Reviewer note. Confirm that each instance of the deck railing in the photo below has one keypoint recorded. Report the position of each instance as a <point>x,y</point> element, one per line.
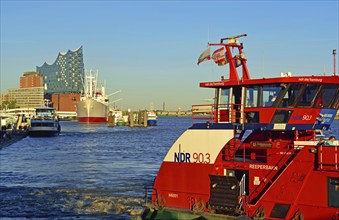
<point>222,113</point>
<point>328,158</point>
<point>271,176</point>
<point>242,191</point>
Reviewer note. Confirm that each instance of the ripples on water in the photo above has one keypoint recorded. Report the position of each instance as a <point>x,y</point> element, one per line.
<point>87,172</point>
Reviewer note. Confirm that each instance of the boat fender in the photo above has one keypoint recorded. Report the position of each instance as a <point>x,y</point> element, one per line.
<point>259,213</point>
<point>160,202</point>
<point>298,216</point>
<point>335,216</point>
<point>199,206</point>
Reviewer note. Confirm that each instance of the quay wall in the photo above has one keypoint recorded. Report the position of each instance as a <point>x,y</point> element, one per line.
<point>9,137</point>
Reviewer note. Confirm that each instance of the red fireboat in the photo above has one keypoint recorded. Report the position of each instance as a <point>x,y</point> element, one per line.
<point>254,153</point>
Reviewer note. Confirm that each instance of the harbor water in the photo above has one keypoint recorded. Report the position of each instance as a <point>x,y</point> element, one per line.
<point>88,171</point>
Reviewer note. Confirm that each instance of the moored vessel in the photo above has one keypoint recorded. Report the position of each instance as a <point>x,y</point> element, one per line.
<point>45,123</point>
<point>253,153</point>
<point>93,104</point>
<point>152,118</point>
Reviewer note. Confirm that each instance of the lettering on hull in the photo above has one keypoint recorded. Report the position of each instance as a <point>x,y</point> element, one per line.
<point>196,158</point>
<point>262,167</point>
<point>182,157</point>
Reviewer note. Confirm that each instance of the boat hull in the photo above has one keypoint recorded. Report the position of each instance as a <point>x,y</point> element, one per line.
<point>44,128</point>
<point>151,118</point>
<point>91,111</point>
<point>121,123</point>
<point>171,213</point>
<point>42,133</point>
<point>92,119</point>
<point>151,122</point>
<point>183,178</point>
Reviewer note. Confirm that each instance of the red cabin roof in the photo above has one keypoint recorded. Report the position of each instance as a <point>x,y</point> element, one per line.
<point>291,79</point>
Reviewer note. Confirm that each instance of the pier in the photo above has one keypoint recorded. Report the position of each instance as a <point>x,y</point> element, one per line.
<point>174,113</point>
<point>131,119</point>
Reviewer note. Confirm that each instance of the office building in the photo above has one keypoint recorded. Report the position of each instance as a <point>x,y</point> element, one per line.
<point>27,97</point>
<point>31,79</point>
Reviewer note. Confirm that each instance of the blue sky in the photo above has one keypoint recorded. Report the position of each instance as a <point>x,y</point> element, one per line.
<point>149,49</point>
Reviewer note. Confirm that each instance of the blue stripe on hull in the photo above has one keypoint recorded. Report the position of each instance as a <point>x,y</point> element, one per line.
<point>151,122</point>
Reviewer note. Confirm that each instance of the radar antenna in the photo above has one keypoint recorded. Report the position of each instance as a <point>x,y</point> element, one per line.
<point>232,39</point>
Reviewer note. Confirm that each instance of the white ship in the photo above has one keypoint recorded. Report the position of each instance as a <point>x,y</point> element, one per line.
<point>93,104</point>
<point>151,118</point>
<point>44,123</point>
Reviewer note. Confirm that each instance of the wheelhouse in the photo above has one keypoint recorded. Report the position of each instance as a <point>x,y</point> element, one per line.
<point>294,100</point>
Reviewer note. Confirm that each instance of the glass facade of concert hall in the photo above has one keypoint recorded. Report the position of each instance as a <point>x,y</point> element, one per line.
<point>66,74</point>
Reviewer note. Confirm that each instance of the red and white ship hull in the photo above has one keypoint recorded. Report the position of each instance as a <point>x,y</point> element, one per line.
<point>91,111</point>
<point>254,154</point>
<point>183,177</point>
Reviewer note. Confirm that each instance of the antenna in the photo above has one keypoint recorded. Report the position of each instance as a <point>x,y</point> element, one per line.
<point>335,70</point>
<point>262,63</point>
<point>208,33</point>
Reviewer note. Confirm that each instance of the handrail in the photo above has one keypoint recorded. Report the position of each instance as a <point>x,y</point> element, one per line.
<point>199,112</point>
<point>258,190</point>
<point>334,165</point>
<point>242,190</point>
<point>154,192</point>
<point>221,113</point>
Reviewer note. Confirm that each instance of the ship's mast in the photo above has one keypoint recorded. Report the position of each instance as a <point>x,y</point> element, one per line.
<point>232,42</point>
<point>90,77</point>
<point>96,83</point>
<point>103,86</point>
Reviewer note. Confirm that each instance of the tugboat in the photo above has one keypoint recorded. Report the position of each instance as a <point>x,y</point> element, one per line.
<point>253,153</point>
<point>45,123</point>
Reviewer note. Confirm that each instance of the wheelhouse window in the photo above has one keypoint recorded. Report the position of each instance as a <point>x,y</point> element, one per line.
<point>336,101</point>
<point>269,94</point>
<point>252,97</point>
<point>306,98</point>
<point>224,97</point>
<point>333,191</point>
<point>326,96</point>
<point>290,98</point>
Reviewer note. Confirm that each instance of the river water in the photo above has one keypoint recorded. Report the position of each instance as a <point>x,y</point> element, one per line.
<point>88,171</point>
